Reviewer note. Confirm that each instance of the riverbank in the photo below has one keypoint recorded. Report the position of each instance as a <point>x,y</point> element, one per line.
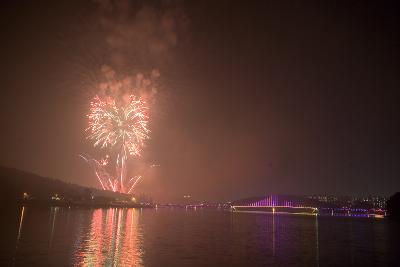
<point>83,204</point>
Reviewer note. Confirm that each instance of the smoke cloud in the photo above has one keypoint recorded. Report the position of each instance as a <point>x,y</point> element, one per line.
<point>120,88</point>
<point>140,37</point>
<point>126,44</point>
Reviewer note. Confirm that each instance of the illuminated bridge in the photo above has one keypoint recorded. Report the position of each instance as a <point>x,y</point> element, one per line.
<point>276,204</point>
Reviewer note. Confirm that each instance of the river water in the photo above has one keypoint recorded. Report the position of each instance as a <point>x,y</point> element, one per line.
<point>179,237</point>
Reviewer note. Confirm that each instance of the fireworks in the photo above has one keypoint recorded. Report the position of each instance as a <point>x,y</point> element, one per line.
<point>108,182</point>
<point>117,126</point>
<point>112,125</point>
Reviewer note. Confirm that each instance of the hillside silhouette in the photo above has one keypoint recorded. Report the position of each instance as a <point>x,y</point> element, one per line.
<point>393,206</point>
<point>15,183</point>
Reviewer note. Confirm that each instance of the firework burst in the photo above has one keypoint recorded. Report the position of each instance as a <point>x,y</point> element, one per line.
<point>111,125</point>
<point>119,126</point>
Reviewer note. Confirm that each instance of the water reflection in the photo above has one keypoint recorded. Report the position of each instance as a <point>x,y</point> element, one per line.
<point>21,221</point>
<point>316,240</point>
<point>114,239</point>
<point>129,237</point>
<point>273,235</point>
<point>53,214</point>
<point>288,238</point>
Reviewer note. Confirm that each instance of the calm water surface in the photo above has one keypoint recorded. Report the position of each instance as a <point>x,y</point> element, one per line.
<point>176,237</point>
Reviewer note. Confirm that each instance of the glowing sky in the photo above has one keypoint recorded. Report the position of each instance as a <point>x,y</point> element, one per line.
<point>253,98</point>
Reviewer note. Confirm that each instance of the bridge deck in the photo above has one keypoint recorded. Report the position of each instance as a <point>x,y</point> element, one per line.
<point>276,209</point>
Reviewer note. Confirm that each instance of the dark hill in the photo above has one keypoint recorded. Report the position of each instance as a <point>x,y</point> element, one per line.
<point>393,206</point>
<point>14,183</point>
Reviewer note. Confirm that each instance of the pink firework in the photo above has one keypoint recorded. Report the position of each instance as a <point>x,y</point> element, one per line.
<point>121,127</point>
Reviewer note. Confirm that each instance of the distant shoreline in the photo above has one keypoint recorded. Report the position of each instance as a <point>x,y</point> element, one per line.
<point>80,204</point>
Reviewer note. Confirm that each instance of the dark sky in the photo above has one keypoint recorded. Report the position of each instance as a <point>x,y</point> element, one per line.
<point>254,96</point>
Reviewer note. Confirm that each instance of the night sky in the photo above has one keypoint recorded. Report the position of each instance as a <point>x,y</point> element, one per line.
<point>254,97</point>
